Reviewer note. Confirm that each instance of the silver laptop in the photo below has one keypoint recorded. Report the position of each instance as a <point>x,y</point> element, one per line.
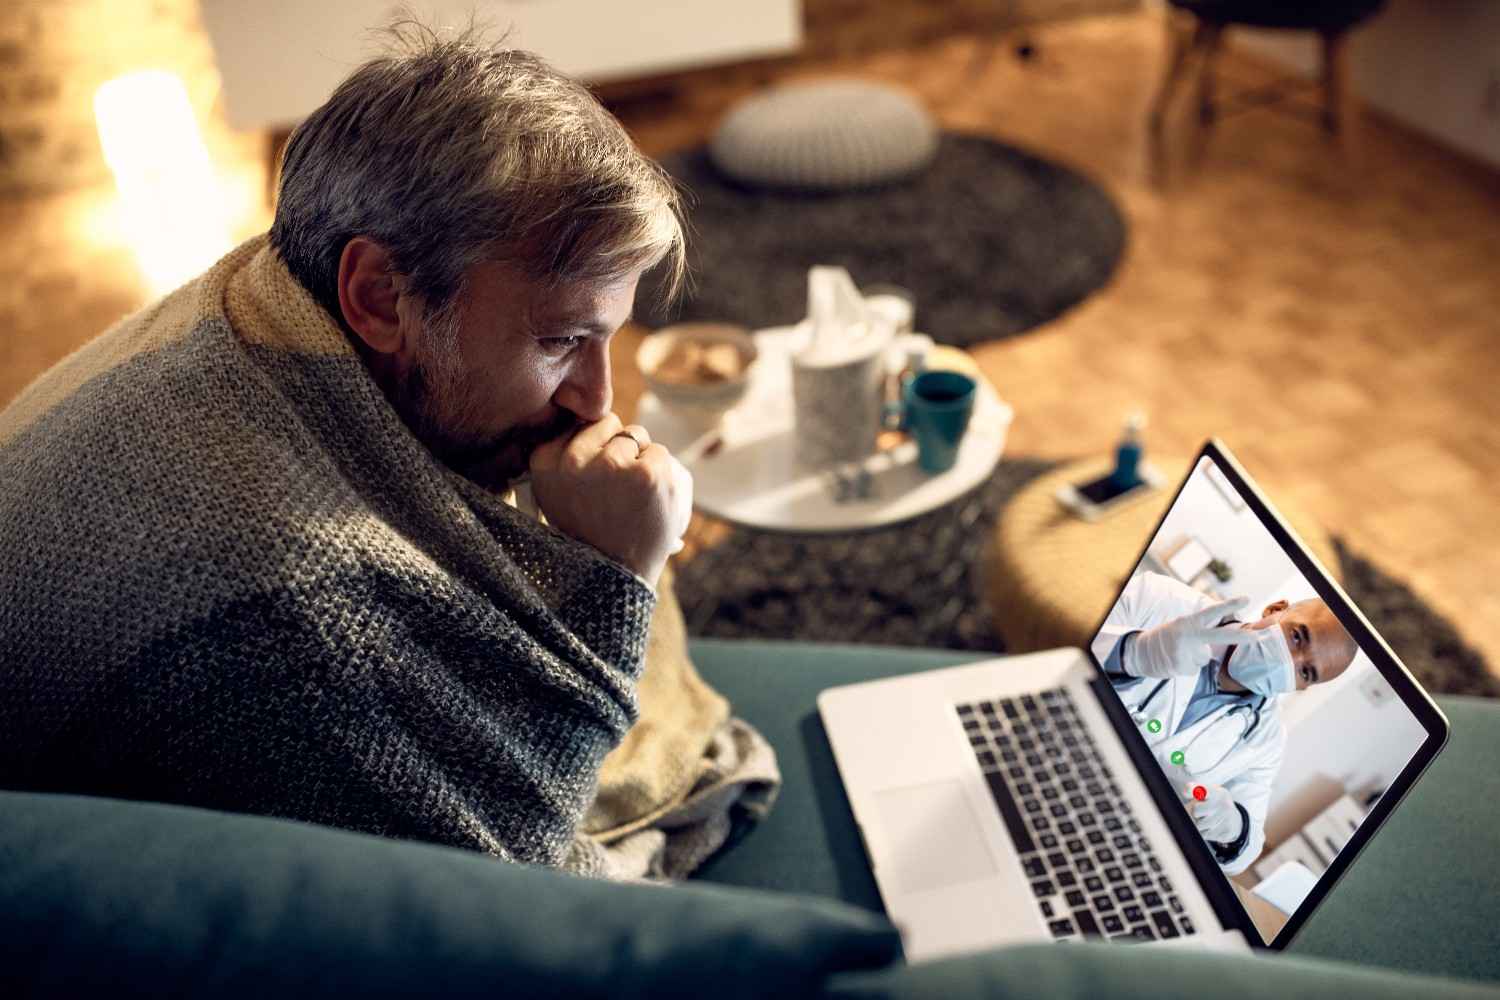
<point>1201,775</point>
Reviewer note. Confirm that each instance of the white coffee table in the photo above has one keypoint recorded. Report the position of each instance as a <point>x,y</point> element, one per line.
<point>754,480</point>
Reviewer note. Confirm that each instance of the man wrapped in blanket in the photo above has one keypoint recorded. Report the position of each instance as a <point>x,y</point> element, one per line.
<point>259,545</point>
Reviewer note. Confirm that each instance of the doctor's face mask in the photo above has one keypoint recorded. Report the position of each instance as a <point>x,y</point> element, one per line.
<point>1264,662</point>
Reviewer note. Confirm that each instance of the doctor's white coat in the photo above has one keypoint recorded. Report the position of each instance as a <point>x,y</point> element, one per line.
<point>1216,754</point>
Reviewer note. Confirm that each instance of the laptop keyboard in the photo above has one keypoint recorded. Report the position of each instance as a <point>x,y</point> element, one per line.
<point>1091,870</point>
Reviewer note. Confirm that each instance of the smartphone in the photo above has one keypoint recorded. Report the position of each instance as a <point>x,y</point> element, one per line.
<point>1096,498</point>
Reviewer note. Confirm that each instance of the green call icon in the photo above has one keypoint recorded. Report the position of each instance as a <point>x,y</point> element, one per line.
<point>1178,757</point>
<point>1154,726</point>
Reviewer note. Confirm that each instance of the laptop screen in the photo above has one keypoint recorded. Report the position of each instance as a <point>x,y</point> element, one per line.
<point>1271,724</point>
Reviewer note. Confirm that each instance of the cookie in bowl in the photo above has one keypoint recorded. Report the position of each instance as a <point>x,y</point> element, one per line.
<point>703,368</point>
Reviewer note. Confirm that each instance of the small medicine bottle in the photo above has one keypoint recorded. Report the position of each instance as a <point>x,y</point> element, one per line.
<point>1127,474</point>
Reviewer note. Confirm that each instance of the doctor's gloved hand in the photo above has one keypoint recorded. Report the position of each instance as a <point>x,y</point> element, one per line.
<point>1216,817</point>
<point>1179,648</point>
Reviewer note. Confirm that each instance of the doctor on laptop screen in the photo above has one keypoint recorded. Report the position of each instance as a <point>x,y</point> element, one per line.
<point>1277,733</point>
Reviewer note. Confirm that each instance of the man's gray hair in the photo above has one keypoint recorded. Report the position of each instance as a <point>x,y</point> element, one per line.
<point>449,152</point>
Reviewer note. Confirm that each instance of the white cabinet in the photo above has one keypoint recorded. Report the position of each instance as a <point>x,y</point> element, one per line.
<point>1319,841</point>
<point>280,59</point>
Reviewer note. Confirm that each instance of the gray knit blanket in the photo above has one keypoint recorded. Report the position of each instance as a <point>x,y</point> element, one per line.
<point>230,577</point>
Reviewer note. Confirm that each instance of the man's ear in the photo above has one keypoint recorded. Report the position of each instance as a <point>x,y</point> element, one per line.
<point>1275,607</point>
<point>370,293</point>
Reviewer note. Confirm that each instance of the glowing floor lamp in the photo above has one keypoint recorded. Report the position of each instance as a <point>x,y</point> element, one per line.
<point>172,206</point>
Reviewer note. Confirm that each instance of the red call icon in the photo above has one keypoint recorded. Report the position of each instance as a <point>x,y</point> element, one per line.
<point>1200,793</point>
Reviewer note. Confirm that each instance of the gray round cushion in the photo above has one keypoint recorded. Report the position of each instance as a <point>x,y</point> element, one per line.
<point>826,135</point>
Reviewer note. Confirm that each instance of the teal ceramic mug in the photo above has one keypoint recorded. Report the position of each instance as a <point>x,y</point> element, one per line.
<point>935,410</point>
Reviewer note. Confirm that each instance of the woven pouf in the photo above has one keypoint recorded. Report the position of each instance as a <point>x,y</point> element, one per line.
<point>1048,577</point>
<point>825,136</point>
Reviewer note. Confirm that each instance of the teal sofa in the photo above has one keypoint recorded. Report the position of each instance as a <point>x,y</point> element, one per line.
<point>122,898</point>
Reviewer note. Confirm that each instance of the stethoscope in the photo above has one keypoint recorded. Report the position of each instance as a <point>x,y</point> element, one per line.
<point>1249,723</point>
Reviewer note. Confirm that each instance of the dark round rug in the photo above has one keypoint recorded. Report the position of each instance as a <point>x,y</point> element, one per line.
<point>991,240</point>
<point>918,584</point>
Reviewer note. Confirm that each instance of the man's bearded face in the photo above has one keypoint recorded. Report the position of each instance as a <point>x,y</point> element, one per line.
<point>508,366</point>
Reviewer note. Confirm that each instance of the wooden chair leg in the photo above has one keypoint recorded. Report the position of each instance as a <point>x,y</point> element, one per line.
<point>1340,111</point>
<point>1208,43</point>
<point>1185,44</point>
<point>1179,45</point>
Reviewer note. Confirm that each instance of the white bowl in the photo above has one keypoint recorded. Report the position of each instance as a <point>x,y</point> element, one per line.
<point>704,388</point>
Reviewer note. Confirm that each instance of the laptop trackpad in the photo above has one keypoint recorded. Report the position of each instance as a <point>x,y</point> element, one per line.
<point>933,838</point>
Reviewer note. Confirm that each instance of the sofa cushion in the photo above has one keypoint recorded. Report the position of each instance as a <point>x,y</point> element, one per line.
<point>138,898</point>
<point>1089,971</point>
